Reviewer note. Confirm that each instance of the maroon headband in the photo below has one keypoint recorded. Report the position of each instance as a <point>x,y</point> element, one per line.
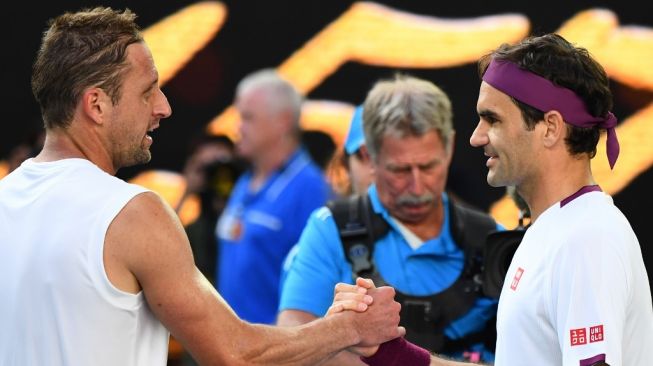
<point>542,94</point>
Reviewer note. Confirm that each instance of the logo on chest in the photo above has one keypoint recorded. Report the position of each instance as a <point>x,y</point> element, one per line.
<point>515,280</point>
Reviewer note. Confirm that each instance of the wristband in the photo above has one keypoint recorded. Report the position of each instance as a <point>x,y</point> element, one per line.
<point>399,352</point>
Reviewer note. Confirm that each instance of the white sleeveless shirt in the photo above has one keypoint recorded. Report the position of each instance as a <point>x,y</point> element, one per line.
<point>57,306</point>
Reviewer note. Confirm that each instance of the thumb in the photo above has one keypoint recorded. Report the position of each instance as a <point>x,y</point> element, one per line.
<point>365,283</point>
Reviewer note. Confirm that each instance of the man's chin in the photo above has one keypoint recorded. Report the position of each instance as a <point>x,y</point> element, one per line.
<point>494,181</point>
<point>494,184</point>
<point>142,158</point>
<point>413,214</point>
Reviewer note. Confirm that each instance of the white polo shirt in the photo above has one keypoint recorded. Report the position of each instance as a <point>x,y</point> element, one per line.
<point>577,291</point>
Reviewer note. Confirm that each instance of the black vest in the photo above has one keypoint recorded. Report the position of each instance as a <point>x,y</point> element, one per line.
<point>424,317</point>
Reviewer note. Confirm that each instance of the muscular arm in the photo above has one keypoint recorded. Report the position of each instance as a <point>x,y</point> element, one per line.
<point>297,317</point>
<point>146,248</point>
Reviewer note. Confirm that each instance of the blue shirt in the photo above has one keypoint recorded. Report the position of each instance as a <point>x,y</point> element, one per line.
<point>319,263</point>
<point>256,231</point>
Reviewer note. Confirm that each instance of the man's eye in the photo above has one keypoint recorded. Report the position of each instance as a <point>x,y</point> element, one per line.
<point>428,167</point>
<point>399,170</point>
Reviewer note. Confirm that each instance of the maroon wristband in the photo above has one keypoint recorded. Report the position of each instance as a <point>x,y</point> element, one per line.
<point>399,352</point>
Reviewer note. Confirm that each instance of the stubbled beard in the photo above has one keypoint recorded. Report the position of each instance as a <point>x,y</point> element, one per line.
<point>142,157</point>
<point>135,156</point>
<point>139,156</point>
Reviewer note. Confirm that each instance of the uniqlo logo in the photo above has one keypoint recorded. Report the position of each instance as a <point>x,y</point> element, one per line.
<point>515,280</point>
<point>578,336</point>
<point>596,333</point>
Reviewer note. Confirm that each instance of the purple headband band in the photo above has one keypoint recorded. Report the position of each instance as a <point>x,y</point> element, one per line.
<point>542,94</point>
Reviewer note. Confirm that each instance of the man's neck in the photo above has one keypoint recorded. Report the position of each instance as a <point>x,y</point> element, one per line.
<point>270,161</point>
<point>66,143</point>
<point>555,184</point>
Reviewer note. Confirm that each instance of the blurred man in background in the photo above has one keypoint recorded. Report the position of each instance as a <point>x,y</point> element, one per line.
<point>271,202</point>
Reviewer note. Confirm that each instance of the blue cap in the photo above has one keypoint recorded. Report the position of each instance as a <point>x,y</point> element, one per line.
<point>355,136</point>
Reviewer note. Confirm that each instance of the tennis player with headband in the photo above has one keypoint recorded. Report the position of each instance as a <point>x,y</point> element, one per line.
<point>577,291</point>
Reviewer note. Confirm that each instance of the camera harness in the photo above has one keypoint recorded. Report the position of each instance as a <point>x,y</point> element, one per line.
<point>425,317</point>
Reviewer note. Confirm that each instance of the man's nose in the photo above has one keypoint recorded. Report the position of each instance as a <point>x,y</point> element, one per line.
<point>416,185</point>
<point>479,136</point>
<point>162,109</point>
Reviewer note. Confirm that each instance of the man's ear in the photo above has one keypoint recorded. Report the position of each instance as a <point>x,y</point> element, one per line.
<point>95,104</point>
<point>554,128</point>
<point>290,121</point>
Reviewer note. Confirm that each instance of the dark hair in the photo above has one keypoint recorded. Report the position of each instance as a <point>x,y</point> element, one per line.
<point>557,60</point>
<point>81,50</point>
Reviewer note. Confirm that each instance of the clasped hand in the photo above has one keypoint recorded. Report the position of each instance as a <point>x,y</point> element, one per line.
<point>359,298</point>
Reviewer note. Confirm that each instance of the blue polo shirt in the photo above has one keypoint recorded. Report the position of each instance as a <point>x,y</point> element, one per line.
<point>256,231</point>
<point>319,263</point>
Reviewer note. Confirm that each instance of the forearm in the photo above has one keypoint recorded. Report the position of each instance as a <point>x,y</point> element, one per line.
<point>214,335</point>
<point>308,344</point>
<point>291,318</point>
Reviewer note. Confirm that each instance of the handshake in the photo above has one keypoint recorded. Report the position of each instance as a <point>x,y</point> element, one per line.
<point>376,317</point>
<point>379,324</point>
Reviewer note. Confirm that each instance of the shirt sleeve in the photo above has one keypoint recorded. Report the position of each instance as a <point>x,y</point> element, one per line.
<point>589,292</point>
<point>317,266</point>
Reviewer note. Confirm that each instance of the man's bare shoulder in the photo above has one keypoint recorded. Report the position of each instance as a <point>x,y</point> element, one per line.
<point>144,236</point>
<point>146,212</point>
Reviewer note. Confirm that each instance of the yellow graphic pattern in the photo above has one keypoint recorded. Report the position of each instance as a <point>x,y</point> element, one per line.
<point>175,39</point>
<point>373,34</point>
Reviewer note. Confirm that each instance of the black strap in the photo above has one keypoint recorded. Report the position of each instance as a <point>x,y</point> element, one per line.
<point>427,316</point>
<point>359,228</point>
<point>470,229</point>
